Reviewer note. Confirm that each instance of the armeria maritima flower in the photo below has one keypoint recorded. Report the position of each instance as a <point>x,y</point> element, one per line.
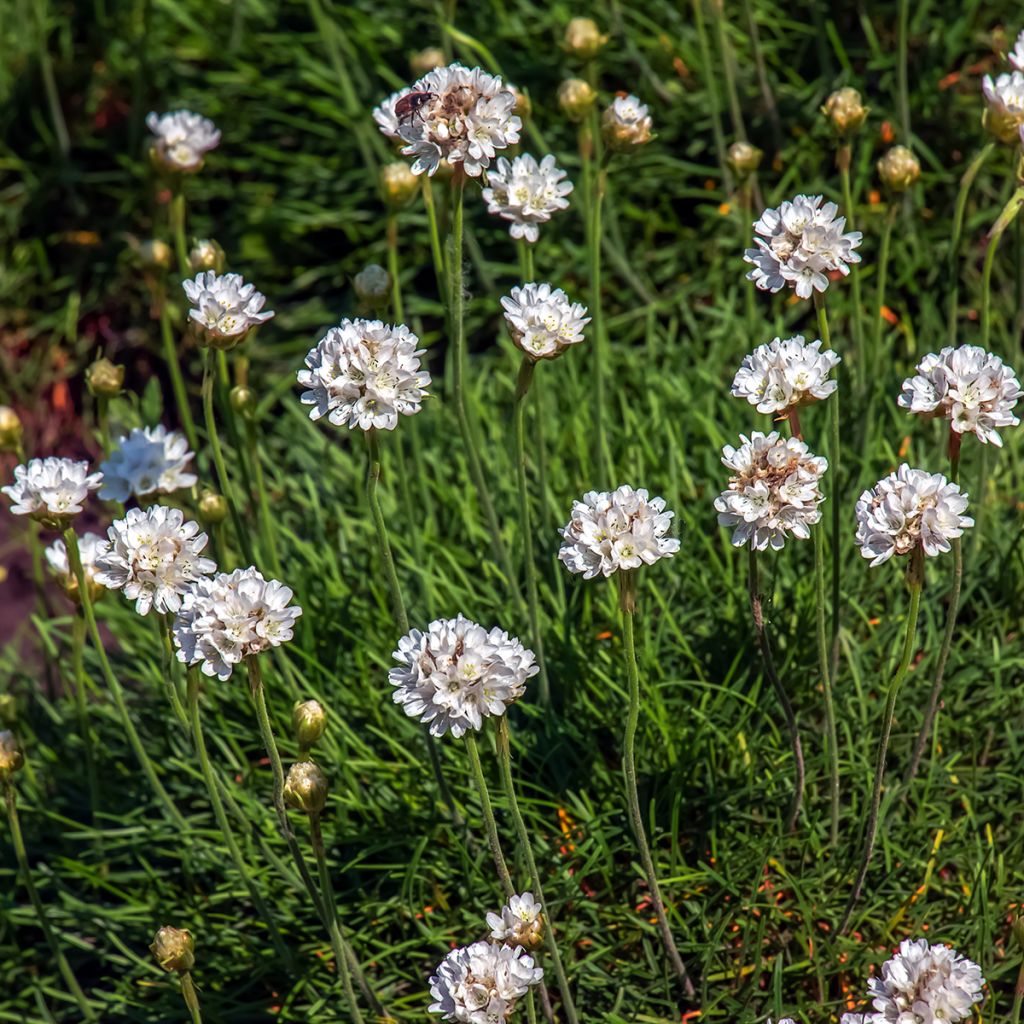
<point>785,373</point>
<point>1004,105</point>
<point>526,193</point>
<point>520,922</point>
<point>365,373</point>
<point>224,307</point>
<point>457,114</point>
<point>149,460</point>
<point>542,321</point>
<point>626,123</point>
<point>89,546</point>
<point>910,509</point>
<point>228,617</point>
<point>970,387</point>
<point>457,673</point>
<point>154,556</point>
<point>925,984</point>
<point>775,490</point>
<point>51,490</point>
<point>799,244</point>
<point>616,530</point>
<point>481,983</point>
<point>181,139</point>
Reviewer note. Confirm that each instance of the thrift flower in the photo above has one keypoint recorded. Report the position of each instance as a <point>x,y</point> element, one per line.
<point>90,545</point>
<point>542,321</point>
<point>51,490</point>
<point>520,922</point>
<point>783,374</point>
<point>150,460</point>
<point>224,308</point>
<point>481,983</point>
<point>1004,110</point>
<point>526,193</point>
<point>626,123</point>
<point>181,139</point>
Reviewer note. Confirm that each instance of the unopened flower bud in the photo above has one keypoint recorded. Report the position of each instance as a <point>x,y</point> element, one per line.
<point>11,430</point>
<point>104,378</point>
<point>305,788</point>
<point>625,124</point>
<point>309,719</point>
<point>576,98</point>
<point>744,158</point>
<point>206,254</point>
<point>372,285</point>
<point>213,508</point>
<point>845,111</point>
<point>8,708</point>
<point>899,168</point>
<point>242,399</point>
<point>398,184</point>
<point>11,758</point>
<point>583,39</point>
<point>523,107</point>
<point>426,60</point>
<point>174,949</point>
<point>155,254</point>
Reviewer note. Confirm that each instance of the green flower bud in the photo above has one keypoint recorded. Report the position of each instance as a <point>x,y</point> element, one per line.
<point>576,98</point>
<point>213,508</point>
<point>174,949</point>
<point>11,758</point>
<point>398,184</point>
<point>583,39</point>
<point>8,708</point>
<point>426,60</point>
<point>373,286</point>
<point>845,111</point>
<point>309,720</point>
<point>899,168</point>
<point>305,788</point>
<point>744,158</point>
<point>206,254</point>
<point>242,399</point>
<point>11,430</point>
<point>155,254</point>
<point>104,378</point>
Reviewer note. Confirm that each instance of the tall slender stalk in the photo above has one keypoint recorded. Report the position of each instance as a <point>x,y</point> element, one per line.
<point>490,825</point>
<point>190,996</point>
<point>505,760</point>
<point>386,557</point>
<point>396,284</point>
<point>526,369</point>
<point>764,643</point>
<point>268,539</point>
<point>178,225</point>
<point>436,250</point>
<point>709,70</point>
<point>78,634</point>
<point>20,853</point>
<point>75,561</point>
<point>901,70</point>
<point>599,351</point>
<point>844,157</point>
<point>167,666</point>
<point>1003,221</point>
<point>173,359</point>
<point>627,605</point>
<point>915,581</point>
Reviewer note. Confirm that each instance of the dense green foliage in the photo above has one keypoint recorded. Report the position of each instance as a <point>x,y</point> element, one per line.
<point>292,195</point>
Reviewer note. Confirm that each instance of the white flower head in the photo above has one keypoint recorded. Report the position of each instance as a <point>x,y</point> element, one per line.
<point>365,373</point>
<point>907,510</point>
<point>456,674</point>
<point>925,984</point>
<point>617,530</point>
<point>626,123</point>
<point>542,320</point>
<point>181,139</point>
<point>224,307</point>
<point>1004,104</point>
<point>51,490</point>
<point>775,490</point>
<point>154,556</point>
<point>968,386</point>
<point>800,244</point>
<point>385,116</point>
<point>481,983</point>
<point>1016,55</point>
<point>229,617</point>
<point>526,193</point>
<point>89,546</point>
<point>520,922</point>
<point>455,113</point>
<point>149,460</point>
<point>785,373</point>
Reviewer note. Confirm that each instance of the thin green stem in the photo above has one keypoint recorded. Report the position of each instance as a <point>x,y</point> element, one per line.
<point>505,760</point>
<point>764,643</point>
<point>844,159</point>
<point>901,70</point>
<point>213,791</point>
<point>915,582</point>
<point>627,604</point>
<point>60,127</point>
<point>525,260</point>
<point>191,997</point>
<point>268,540</point>
<point>168,664</point>
<point>883,274</point>
<point>384,544</point>
<point>1004,220</point>
<point>172,357</point>
<point>490,825</point>
<point>436,249</point>
<point>18,841</point>
<point>223,480</point>
<point>709,70</point>
<point>397,309</point>
<point>134,741</point>
<point>599,351</point>
<point>178,226</point>
<point>78,634</point>
<point>526,369</point>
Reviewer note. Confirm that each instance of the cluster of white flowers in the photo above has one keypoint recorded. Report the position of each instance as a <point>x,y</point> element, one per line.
<point>148,460</point>
<point>775,490</point>
<point>481,983</point>
<point>910,508</point>
<point>800,243</point>
<point>365,373</point>
<point>224,307</point>
<point>542,321</point>
<point>228,617</point>
<point>457,673</point>
<point>453,113</point>
<point>51,489</point>
<point>181,139</point>
<point>925,983</point>
<point>617,530</point>
<point>785,373</point>
<point>154,556</point>
<point>1004,98</point>
<point>970,387</point>
<point>90,545</point>
<point>520,922</point>
<point>626,122</point>
<point>526,193</point>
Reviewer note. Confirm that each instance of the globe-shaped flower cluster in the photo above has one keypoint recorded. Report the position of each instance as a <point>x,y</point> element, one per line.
<point>542,321</point>
<point>181,139</point>
<point>149,460</point>
<point>52,489</point>
<point>482,983</point>
<point>224,308</point>
<point>526,193</point>
<point>784,374</point>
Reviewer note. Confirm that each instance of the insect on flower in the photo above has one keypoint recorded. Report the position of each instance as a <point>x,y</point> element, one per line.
<point>411,103</point>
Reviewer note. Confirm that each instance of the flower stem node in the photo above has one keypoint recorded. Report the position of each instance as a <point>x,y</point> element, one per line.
<point>11,758</point>
<point>213,508</point>
<point>206,254</point>
<point>899,169</point>
<point>576,97</point>
<point>845,112</point>
<point>174,949</point>
<point>11,430</point>
<point>104,379</point>
<point>309,719</point>
<point>626,123</point>
<point>305,788</point>
<point>398,185</point>
<point>744,159</point>
<point>583,39</point>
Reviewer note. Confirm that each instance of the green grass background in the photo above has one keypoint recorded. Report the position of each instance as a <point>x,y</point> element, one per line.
<point>292,196</point>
